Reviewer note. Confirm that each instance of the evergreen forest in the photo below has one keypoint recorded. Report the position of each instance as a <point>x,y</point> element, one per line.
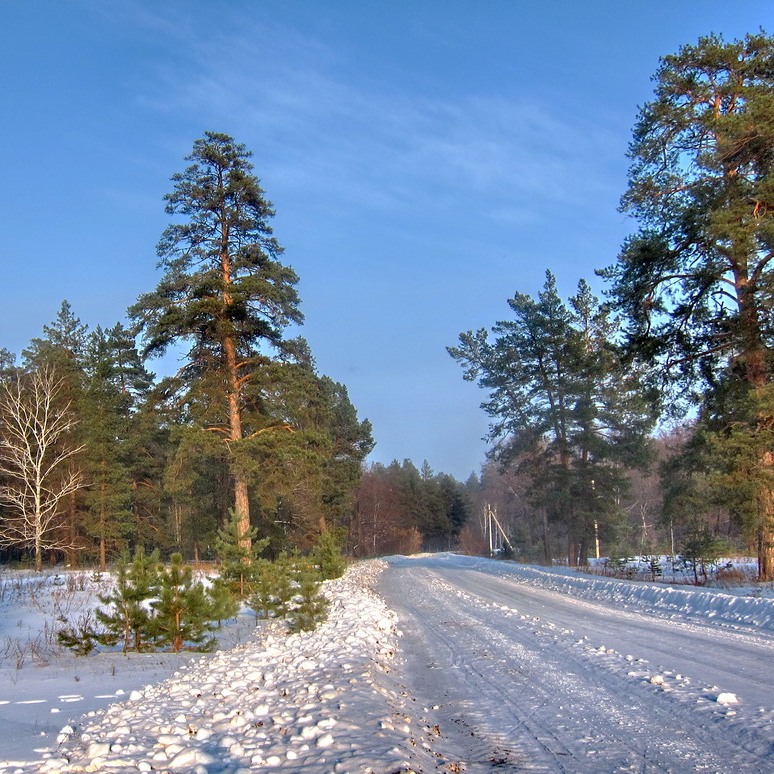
<point>100,457</point>
<point>638,419</point>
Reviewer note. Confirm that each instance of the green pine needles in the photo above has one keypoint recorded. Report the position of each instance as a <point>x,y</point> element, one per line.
<point>153,607</point>
<point>183,612</point>
<point>310,607</point>
<point>238,551</point>
<point>156,607</point>
<point>289,588</point>
<point>128,614</point>
<point>286,588</point>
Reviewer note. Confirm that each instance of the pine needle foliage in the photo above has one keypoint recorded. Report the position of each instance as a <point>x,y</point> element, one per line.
<point>153,607</point>
<point>311,607</point>
<point>238,550</point>
<point>289,588</point>
<point>284,586</point>
<point>184,612</point>
<point>328,557</point>
<point>128,616</point>
<point>263,599</point>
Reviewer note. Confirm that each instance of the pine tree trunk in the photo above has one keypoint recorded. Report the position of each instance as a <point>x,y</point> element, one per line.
<point>177,642</point>
<point>241,494</point>
<point>583,552</point>
<point>242,507</point>
<point>102,528</point>
<point>572,552</point>
<point>177,512</point>
<point>765,546</point>
<point>547,557</point>
<point>755,360</point>
<point>765,531</point>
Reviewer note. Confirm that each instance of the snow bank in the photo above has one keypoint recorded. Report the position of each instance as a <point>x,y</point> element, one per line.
<point>314,701</point>
<point>738,611</point>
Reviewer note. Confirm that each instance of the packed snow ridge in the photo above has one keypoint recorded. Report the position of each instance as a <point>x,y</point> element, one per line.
<point>313,701</point>
<point>745,610</point>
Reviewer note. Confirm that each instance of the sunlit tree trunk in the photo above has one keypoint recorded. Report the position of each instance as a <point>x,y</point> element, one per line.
<point>765,531</point>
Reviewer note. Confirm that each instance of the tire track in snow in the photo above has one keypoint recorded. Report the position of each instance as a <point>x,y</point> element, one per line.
<point>541,692</point>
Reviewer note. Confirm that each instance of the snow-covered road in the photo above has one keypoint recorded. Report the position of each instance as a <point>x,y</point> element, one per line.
<point>526,678</point>
<point>458,664</point>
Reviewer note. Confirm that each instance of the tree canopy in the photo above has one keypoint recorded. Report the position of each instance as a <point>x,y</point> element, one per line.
<point>696,280</point>
<point>247,426</point>
<point>563,405</point>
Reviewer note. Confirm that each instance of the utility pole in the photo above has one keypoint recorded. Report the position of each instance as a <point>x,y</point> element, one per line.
<point>488,528</point>
<point>495,538</point>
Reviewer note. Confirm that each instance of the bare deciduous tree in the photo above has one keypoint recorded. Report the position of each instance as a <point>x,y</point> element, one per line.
<point>34,462</point>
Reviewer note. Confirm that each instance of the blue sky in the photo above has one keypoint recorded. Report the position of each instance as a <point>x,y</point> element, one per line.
<point>426,160</point>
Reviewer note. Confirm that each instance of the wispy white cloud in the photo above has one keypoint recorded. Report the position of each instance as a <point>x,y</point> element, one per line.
<point>316,124</point>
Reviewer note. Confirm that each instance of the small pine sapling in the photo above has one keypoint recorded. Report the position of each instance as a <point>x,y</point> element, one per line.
<point>284,584</point>
<point>264,598</point>
<point>224,604</point>
<point>128,616</point>
<point>237,551</point>
<point>328,557</point>
<point>184,612</point>
<point>311,606</point>
<point>701,550</point>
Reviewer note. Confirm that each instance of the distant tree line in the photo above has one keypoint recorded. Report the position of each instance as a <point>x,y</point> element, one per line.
<point>402,510</point>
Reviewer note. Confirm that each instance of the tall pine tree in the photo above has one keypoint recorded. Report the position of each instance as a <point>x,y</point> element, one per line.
<point>696,280</point>
<point>106,418</point>
<point>224,295</point>
<point>564,408</point>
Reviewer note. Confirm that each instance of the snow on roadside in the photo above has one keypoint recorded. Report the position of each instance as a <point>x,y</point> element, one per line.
<point>321,701</point>
<point>723,608</point>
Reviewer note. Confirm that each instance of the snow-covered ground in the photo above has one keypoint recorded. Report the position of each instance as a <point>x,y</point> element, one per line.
<point>748,607</point>
<point>320,701</point>
<point>485,664</point>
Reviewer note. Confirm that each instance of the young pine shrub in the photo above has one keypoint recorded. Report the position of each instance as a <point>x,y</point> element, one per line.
<point>284,584</point>
<point>184,612</point>
<point>236,560</point>
<point>129,614</point>
<point>311,607</point>
<point>264,599</point>
<point>701,551</point>
<point>224,604</point>
<point>328,557</point>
